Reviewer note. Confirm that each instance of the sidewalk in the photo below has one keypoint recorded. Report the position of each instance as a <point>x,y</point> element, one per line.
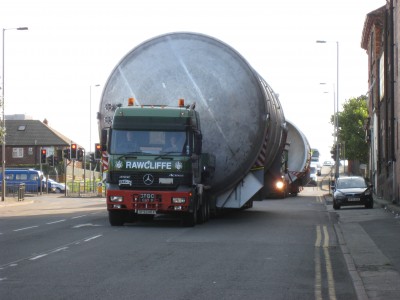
<point>371,247</point>
<point>28,199</point>
<point>11,201</point>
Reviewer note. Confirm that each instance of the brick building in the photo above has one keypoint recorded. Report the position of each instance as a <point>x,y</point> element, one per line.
<point>25,139</point>
<point>380,38</point>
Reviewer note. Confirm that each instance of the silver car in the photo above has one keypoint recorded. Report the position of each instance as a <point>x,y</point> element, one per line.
<point>352,190</point>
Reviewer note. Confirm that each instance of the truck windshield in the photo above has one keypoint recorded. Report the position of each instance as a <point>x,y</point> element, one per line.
<point>148,142</point>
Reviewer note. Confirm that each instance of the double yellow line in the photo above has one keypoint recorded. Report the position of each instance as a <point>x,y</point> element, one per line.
<point>322,242</point>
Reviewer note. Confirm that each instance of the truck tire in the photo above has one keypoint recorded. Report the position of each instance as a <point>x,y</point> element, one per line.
<point>202,214</point>
<point>116,218</point>
<point>189,219</point>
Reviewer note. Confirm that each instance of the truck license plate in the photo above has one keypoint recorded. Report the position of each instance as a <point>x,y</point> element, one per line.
<point>147,197</point>
<point>146,212</point>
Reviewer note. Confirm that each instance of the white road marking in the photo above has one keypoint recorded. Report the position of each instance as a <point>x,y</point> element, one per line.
<point>77,217</point>
<point>54,222</point>
<point>85,225</point>
<point>26,228</point>
<point>93,237</point>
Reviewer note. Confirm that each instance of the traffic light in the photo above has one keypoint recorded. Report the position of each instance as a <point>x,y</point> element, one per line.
<point>67,153</point>
<point>97,151</point>
<point>92,158</point>
<point>43,154</point>
<point>74,151</point>
<point>50,160</point>
<point>333,154</point>
<point>80,154</point>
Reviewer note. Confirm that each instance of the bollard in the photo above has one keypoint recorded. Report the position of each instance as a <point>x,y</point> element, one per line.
<point>21,192</point>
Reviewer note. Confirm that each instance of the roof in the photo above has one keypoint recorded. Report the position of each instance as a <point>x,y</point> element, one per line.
<point>373,17</point>
<point>33,132</point>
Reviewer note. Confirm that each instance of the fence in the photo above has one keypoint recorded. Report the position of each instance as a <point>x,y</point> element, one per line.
<point>19,190</point>
<point>85,189</point>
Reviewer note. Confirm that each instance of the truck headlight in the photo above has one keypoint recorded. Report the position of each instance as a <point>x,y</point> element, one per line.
<point>279,185</point>
<point>178,200</point>
<point>116,198</point>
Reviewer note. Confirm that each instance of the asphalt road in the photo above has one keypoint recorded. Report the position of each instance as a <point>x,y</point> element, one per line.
<point>59,248</point>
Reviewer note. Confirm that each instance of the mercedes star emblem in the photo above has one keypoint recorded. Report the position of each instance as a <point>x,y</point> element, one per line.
<point>148,179</point>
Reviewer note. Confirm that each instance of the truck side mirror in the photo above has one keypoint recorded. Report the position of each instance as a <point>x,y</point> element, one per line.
<point>198,143</point>
<point>104,138</point>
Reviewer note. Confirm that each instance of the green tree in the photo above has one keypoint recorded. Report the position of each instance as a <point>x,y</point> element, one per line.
<point>351,134</point>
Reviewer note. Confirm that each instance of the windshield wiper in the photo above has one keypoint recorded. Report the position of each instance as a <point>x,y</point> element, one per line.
<point>129,154</point>
<point>166,154</point>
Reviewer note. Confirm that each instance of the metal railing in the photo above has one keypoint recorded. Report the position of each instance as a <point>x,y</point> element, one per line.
<point>80,189</point>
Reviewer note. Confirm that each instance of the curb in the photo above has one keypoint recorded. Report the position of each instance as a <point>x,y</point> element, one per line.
<point>387,205</point>
<point>351,267</point>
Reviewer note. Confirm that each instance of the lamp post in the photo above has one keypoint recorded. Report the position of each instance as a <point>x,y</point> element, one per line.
<point>337,106</point>
<point>3,147</point>
<point>90,132</point>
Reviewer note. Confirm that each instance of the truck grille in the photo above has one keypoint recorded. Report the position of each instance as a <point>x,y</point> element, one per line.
<point>148,181</point>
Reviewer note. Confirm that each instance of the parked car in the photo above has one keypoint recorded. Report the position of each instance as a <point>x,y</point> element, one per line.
<point>328,163</point>
<point>352,190</point>
<point>54,186</point>
<point>28,177</point>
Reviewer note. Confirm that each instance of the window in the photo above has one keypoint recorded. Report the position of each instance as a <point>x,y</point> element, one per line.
<point>34,177</point>
<point>21,177</point>
<point>18,153</point>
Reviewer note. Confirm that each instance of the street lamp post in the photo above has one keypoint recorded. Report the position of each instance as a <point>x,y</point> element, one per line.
<point>90,133</point>
<point>3,147</point>
<point>337,106</point>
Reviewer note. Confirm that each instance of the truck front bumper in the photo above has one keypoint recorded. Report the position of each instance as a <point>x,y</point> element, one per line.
<point>149,202</point>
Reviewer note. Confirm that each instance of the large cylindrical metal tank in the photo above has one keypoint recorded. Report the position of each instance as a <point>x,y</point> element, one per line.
<point>299,155</point>
<point>241,117</point>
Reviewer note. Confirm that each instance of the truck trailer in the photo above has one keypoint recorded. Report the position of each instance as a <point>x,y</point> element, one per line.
<point>231,132</point>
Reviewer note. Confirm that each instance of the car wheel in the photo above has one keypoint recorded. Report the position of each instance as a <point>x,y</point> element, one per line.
<point>369,205</point>
<point>58,191</point>
<point>336,206</point>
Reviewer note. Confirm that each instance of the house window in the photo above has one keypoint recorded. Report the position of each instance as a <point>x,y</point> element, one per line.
<point>18,153</point>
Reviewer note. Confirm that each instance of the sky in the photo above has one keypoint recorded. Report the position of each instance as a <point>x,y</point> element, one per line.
<point>56,69</point>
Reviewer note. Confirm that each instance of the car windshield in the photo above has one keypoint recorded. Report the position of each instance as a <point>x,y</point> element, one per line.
<point>348,183</point>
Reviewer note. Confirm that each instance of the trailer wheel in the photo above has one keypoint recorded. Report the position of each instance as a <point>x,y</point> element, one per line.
<point>208,210</point>
<point>116,218</point>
